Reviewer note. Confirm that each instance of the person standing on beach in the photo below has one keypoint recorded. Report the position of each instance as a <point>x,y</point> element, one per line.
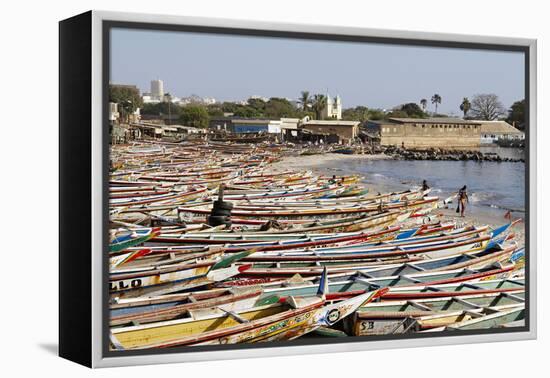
<point>462,200</point>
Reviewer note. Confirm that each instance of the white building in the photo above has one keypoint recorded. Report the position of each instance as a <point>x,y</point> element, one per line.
<point>157,90</point>
<point>257,97</point>
<point>209,100</point>
<point>243,126</point>
<point>333,109</point>
<point>493,131</point>
<point>114,115</point>
<point>195,99</point>
<point>289,126</point>
<point>148,98</point>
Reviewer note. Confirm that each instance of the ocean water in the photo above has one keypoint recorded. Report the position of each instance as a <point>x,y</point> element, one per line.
<point>504,152</point>
<point>491,185</point>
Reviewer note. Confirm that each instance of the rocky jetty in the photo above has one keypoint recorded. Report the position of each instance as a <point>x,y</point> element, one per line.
<point>444,154</point>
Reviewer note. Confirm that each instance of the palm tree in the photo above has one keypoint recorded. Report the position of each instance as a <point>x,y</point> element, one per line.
<point>318,104</point>
<point>465,106</point>
<point>436,99</point>
<point>168,99</point>
<point>424,104</point>
<point>305,100</point>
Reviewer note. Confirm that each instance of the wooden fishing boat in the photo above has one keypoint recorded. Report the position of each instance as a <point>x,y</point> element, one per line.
<point>171,197</point>
<point>294,317</point>
<point>125,258</point>
<point>126,239</point>
<point>438,247</point>
<point>290,326</point>
<point>145,311</point>
<point>455,289</point>
<point>312,230</point>
<point>337,290</point>
<point>376,267</point>
<point>275,243</point>
<point>173,277</point>
<point>358,280</point>
<point>144,259</point>
<point>406,195</point>
<point>391,317</point>
<point>490,317</point>
<point>309,265</point>
<point>428,245</point>
<point>336,212</point>
<point>362,223</point>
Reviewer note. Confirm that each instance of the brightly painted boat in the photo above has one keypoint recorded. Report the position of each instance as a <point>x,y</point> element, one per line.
<point>173,306</point>
<point>173,277</point>
<point>391,317</point>
<point>126,239</point>
<point>296,316</point>
<point>336,212</point>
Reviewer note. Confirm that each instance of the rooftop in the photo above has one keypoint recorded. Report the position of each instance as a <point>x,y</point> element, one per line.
<point>255,121</point>
<point>452,120</point>
<point>497,127</point>
<point>245,120</point>
<point>331,123</point>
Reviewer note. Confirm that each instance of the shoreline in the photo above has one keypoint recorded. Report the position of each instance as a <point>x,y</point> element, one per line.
<point>320,164</point>
<point>315,162</point>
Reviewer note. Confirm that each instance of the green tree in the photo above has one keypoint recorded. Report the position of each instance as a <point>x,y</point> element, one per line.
<point>359,113</point>
<point>413,110</point>
<point>318,104</point>
<point>229,107</point>
<point>424,104</point>
<point>160,108</point>
<point>305,100</point>
<point>194,115</point>
<point>436,99</point>
<point>127,98</point>
<point>396,113</point>
<point>376,114</point>
<point>279,107</point>
<point>257,104</point>
<point>465,106</point>
<point>215,110</point>
<point>246,111</point>
<point>516,114</point>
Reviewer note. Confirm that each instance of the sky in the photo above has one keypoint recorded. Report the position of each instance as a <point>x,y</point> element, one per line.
<point>383,76</point>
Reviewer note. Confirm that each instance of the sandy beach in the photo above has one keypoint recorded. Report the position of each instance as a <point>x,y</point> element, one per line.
<point>337,164</point>
<point>317,163</point>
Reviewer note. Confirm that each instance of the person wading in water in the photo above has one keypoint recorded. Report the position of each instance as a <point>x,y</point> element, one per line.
<point>425,185</point>
<point>462,199</point>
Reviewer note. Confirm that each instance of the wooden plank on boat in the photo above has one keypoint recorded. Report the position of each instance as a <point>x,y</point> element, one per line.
<point>419,306</point>
<point>235,316</point>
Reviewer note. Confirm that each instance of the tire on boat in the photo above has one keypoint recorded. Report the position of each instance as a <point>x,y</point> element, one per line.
<point>223,205</point>
<point>221,212</point>
<point>217,220</point>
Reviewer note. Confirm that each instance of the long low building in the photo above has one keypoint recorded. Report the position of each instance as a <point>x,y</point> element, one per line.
<point>426,132</point>
<point>246,125</point>
<point>346,131</point>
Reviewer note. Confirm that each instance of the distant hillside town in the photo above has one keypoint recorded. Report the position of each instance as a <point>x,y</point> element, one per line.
<point>318,119</point>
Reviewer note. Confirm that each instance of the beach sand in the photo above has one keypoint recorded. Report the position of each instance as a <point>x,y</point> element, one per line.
<point>318,165</point>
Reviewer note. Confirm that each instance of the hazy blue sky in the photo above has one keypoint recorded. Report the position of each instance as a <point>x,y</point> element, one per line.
<point>378,76</point>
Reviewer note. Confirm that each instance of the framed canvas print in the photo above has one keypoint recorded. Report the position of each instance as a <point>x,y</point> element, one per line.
<point>236,189</point>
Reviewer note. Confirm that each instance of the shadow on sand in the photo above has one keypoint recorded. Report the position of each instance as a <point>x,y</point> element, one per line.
<point>51,348</point>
